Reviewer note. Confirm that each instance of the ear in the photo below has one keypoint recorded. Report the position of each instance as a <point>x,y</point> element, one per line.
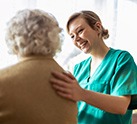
<point>98,27</point>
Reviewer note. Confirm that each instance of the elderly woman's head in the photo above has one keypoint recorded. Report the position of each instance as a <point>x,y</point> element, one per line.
<point>33,32</point>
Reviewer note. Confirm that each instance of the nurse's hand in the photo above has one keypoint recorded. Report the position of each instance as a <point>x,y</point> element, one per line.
<point>66,85</point>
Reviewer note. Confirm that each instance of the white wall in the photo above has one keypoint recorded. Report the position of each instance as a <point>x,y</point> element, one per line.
<point>118,16</point>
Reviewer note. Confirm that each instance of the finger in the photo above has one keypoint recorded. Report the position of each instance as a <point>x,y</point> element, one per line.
<point>68,74</point>
<point>60,89</point>
<point>64,95</point>
<point>57,75</point>
<point>60,83</point>
<point>62,76</point>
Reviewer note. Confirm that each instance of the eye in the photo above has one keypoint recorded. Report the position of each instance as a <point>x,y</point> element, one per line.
<point>72,36</point>
<point>80,31</point>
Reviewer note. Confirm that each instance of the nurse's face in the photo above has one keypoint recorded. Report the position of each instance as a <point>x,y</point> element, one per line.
<point>83,36</point>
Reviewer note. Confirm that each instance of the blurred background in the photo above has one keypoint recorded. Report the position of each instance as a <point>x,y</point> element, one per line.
<point>118,16</point>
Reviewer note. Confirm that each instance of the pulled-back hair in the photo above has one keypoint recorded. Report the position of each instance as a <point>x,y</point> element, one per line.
<point>33,32</point>
<point>91,18</point>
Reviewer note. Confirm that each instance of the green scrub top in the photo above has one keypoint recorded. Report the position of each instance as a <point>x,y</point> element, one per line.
<point>117,76</point>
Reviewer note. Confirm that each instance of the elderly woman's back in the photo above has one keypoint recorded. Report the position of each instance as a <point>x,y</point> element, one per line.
<point>26,96</point>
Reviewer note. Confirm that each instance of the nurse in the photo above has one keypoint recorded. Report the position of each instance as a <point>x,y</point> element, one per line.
<point>103,85</point>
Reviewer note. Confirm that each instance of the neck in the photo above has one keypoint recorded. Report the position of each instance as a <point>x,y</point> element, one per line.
<point>23,58</point>
<point>100,51</point>
<point>97,58</point>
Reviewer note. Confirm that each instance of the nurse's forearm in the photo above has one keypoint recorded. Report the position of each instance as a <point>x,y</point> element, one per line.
<point>112,104</point>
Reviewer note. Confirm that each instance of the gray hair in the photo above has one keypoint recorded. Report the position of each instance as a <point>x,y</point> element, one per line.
<point>33,32</point>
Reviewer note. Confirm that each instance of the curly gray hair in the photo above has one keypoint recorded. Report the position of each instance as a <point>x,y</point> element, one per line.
<point>33,32</point>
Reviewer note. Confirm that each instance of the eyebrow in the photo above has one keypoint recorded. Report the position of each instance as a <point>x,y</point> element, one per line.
<point>79,26</point>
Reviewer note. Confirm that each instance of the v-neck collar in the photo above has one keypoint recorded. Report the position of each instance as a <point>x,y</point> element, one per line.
<point>98,69</point>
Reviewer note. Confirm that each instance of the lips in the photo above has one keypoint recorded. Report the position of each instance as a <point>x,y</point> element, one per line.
<point>83,44</point>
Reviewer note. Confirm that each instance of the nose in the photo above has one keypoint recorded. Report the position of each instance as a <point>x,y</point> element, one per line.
<point>77,38</point>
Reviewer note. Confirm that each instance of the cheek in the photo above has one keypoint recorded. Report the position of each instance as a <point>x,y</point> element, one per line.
<point>86,35</point>
<point>92,37</point>
<point>75,43</point>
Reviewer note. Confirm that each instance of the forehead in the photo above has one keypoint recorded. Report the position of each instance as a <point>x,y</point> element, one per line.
<point>77,20</point>
<point>76,23</point>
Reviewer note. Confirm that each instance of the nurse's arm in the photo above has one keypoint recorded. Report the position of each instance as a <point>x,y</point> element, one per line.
<point>109,103</point>
<point>67,86</point>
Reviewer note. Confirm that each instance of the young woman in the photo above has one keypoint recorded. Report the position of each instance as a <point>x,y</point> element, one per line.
<point>104,84</point>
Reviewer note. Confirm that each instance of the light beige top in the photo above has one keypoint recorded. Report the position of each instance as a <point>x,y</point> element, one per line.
<point>26,95</point>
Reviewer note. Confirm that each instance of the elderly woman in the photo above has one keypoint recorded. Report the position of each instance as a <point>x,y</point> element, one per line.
<point>26,96</point>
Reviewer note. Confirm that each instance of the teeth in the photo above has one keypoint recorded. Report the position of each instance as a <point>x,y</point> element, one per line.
<point>83,44</point>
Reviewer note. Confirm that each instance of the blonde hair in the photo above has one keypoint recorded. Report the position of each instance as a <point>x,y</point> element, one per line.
<point>91,18</point>
<point>33,32</point>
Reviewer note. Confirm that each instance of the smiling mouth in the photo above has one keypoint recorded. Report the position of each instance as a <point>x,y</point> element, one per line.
<point>83,44</point>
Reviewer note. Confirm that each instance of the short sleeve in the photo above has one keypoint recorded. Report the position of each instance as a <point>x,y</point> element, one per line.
<point>124,81</point>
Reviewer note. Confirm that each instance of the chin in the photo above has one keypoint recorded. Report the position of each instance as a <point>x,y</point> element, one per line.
<point>86,51</point>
